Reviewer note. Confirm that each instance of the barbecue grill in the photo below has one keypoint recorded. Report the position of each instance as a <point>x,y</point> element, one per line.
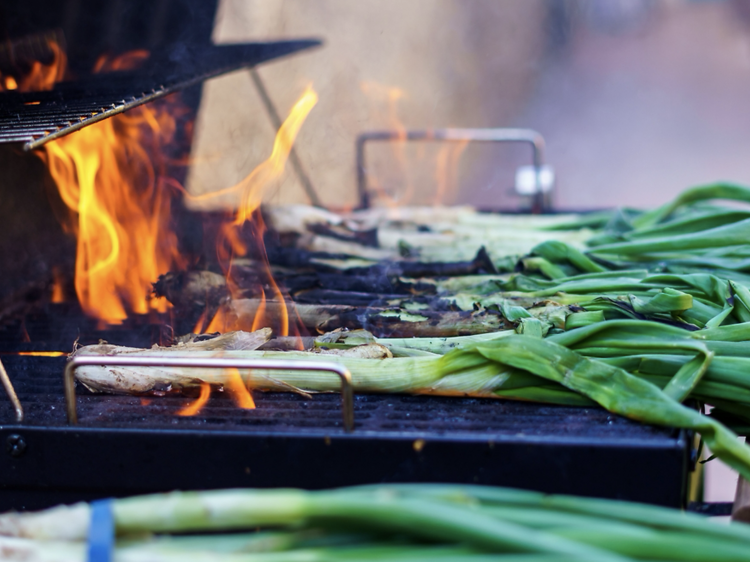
<point>127,445</point>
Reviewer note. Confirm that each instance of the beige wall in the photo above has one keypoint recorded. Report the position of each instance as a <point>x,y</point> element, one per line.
<point>456,63</point>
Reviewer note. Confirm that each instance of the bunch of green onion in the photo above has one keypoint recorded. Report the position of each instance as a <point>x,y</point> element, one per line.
<point>409,522</point>
<point>655,311</point>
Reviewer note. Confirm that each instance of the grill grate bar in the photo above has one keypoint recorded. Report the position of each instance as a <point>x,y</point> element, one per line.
<point>35,118</point>
<point>39,384</point>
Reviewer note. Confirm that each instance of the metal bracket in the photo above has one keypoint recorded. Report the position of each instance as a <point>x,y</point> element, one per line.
<point>11,392</point>
<point>528,136</point>
<point>347,389</point>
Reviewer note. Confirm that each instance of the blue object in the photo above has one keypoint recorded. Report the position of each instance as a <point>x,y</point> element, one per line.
<point>101,532</point>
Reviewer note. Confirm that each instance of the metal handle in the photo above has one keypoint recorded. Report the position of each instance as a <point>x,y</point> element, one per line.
<point>347,391</point>
<point>528,136</point>
<point>11,392</point>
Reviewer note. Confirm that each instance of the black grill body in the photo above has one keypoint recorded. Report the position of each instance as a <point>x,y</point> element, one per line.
<point>126,445</point>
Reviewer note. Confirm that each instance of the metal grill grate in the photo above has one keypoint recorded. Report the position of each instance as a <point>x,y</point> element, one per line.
<point>38,381</point>
<point>35,118</point>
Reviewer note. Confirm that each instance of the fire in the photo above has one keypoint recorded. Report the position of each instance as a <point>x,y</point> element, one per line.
<point>235,387</point>
<point>252,189</point>
<point>41,353</point>
<point>243,233</point>
<point>110,176</point>
<point>238,391</point>
<point>259,318</point>
<point>201,322</point>
<point>385,113</point>
<point>221,322</point>
<point>194,407</point>
<point>58,290</point>
<point>390,95</point>
<point>41,76</point>
<point>108,180</point>
<point>446,169</point>
<point>254,186</point>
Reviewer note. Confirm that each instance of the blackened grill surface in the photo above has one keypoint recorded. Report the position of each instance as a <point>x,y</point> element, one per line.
<point>37,117</point>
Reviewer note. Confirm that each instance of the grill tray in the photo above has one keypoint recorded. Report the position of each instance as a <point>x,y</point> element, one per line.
<point>125,446</point>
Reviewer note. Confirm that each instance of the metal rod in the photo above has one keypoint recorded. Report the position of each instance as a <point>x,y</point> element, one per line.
<point>347,390</point>
<point>528,136</point>
<point>94,117</point>
<point>11,392</point>
<point>299,170</point>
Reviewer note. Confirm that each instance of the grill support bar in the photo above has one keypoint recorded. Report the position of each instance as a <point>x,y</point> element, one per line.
<point>347,391</point>
<point>11,392</point>
<point>528,136</point>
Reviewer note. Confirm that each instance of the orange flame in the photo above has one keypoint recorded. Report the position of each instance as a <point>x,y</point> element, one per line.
<point>258,320</point>
<point>127,61</point>
<point>235,387</point>
<point>109,175</point>
<point>194,407</point>
<point>41,76</point>
<point>379,94</point>
<point>385,100</point>
<point>220,323</point>
<point>58,291</point>
<point>233,237</point>
<point>105,175</point>
<point>446,169</point>
<point>238,391</point>
<point>252,188</point>
<point>201,322</point>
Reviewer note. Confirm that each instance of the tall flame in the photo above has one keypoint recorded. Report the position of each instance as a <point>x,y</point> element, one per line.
<point>234,238</point>
<point>109,175</point>
<point>239,391</point>
<point>107,178</point>
<point>252,188</point>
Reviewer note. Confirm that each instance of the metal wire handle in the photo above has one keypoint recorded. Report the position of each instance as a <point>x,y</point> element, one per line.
<point>11,392</point>
<point>528,136</point>
<point>347,390</point>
